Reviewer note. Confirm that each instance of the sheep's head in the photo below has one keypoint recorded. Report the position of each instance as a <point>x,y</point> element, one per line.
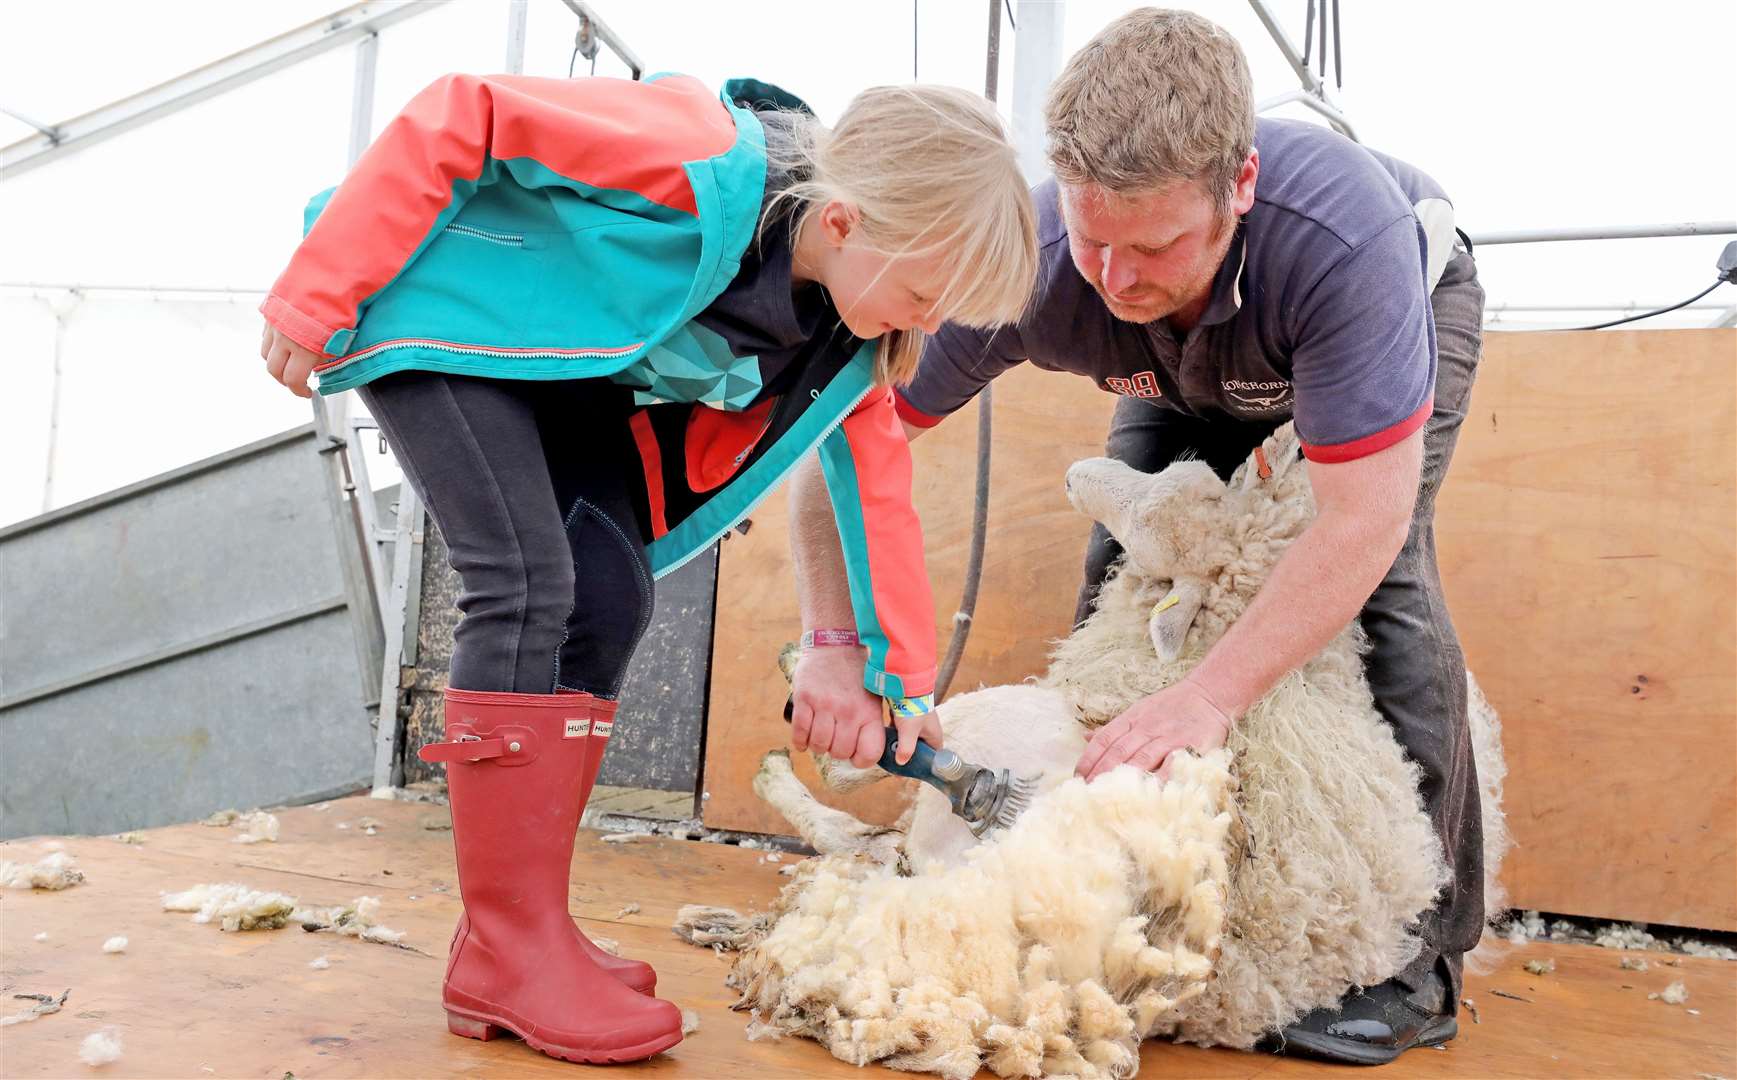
<point>1187,527</point>
<point>1171,524</point>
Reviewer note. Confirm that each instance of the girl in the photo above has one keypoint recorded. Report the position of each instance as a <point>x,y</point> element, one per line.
<point>598,321</point>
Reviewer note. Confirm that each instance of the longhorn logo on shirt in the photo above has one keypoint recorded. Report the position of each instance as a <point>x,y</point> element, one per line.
<point>1262,396</point>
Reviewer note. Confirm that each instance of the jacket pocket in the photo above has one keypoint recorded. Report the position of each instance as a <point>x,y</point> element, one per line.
<point>718,442</point>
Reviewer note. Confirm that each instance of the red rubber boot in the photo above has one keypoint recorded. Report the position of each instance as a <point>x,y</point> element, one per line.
<point>634,973</point>
<point>516,767</point>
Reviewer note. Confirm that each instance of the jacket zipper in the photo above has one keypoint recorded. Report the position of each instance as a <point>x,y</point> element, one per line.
<point>600,353</point>
<point>501,238</point>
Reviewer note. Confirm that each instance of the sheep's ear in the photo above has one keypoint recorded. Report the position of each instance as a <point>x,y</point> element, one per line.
<point>1173,615</point>
<point>1270,461</point>
<point>1284,450</point>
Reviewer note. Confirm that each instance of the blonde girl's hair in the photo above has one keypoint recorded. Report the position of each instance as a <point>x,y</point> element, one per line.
<point>929,170</point>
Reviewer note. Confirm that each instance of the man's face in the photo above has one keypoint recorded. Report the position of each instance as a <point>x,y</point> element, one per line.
<point>1153,254</point>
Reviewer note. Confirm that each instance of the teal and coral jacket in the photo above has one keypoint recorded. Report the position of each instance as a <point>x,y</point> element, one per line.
<point>513,227</point>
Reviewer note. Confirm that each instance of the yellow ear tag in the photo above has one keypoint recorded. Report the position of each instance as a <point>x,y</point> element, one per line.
<point>1167,603</point>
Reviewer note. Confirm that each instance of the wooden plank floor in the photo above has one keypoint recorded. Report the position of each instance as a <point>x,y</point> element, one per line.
<point>191,1001</point>
<point>639,802</point>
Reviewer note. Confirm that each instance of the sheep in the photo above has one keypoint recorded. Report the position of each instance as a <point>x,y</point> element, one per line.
<point>1261,881</point>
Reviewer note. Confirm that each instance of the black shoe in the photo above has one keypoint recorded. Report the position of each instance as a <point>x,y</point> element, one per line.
<point>1370,1027</point>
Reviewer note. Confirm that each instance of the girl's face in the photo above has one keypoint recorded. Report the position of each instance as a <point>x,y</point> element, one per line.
<point>874,293</point>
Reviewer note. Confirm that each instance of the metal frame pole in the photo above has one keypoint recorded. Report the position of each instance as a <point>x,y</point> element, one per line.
<point>517,13</point>
<point>344,495</point>
<point>342,27</point>
<point>1606,232</point>
<point>62,306</point>
<point>400,630</point>
<point>1036,59</point>
<point>1314,92</point>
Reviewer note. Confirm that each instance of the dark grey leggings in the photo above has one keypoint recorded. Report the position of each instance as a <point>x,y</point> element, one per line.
<point>1415,666</point>
<point>531,484</point>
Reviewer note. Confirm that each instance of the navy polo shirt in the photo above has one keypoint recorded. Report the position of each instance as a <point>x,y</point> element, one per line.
<point>1319,313</point>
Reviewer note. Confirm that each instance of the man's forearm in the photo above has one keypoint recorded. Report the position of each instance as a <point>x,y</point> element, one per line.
<point>1319,585</point>
<point>822,586</point>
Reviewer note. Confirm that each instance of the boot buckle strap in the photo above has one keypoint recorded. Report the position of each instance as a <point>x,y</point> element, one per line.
<point>506,745</point>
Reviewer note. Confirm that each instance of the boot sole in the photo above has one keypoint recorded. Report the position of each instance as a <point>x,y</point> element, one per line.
<point>484,1028</point>
<point>1349,1052</point>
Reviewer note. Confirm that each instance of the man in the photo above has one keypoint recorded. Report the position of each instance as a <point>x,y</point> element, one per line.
<point>1223,276</point>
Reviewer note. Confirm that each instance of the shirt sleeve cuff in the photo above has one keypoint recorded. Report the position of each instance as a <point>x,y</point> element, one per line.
<point>1335,453</point>
<point>305,331</point>
<point>912,415</point>
<point>888,685</point>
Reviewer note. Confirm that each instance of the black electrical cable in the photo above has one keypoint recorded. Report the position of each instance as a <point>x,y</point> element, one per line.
<point>1660,311</point>
<point>1338,54</point>
<point>985,439</point>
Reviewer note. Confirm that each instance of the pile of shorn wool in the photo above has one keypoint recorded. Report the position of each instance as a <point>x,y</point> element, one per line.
<point>1052,950</point>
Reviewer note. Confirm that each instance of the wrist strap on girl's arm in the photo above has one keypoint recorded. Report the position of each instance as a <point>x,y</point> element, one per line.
<point>811,638</point>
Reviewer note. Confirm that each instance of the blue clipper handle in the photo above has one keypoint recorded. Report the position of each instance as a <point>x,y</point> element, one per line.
<point>920,767</point>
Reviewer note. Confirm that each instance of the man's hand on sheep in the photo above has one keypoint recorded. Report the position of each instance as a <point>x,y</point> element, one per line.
<point>832,714</point>
<point>1178,717</point>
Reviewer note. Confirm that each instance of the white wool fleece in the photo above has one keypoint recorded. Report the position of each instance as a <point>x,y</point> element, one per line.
<point>1018,955</point>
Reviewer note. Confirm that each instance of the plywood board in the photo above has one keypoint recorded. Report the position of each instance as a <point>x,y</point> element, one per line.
<point>1588,542</point>
<point>192,1001</point>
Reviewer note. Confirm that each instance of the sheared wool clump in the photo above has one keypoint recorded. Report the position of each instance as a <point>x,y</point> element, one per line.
<point>1674,994</point>
<point>258,827</point>
<point>1541,967</point>
<point>237,907</point>
<point>703,924</point>
<point>233,906</point>
<point>1531,926</point>
<point>690,1021</point>
<point>101,1047</point>
<point>41,935</point>
<point>1618,936</point>
<point>1528,926</point>
<point>359,919</point>
<point>1053,947</point>
<point>221,819</point>
<point>319,963</point>
<point>115,945</point>
<point>52,872</point>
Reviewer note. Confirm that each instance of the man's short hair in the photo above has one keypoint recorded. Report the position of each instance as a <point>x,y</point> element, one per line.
<point>1156,97</point>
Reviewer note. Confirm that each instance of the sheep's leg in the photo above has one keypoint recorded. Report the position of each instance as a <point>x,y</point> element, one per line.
<point>843,777</point>
<point>826,830</point>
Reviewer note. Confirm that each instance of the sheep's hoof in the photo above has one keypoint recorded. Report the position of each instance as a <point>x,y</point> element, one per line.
<point>774,761</point>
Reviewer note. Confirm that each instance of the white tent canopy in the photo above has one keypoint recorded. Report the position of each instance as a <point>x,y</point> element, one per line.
<point>1531,116</point>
